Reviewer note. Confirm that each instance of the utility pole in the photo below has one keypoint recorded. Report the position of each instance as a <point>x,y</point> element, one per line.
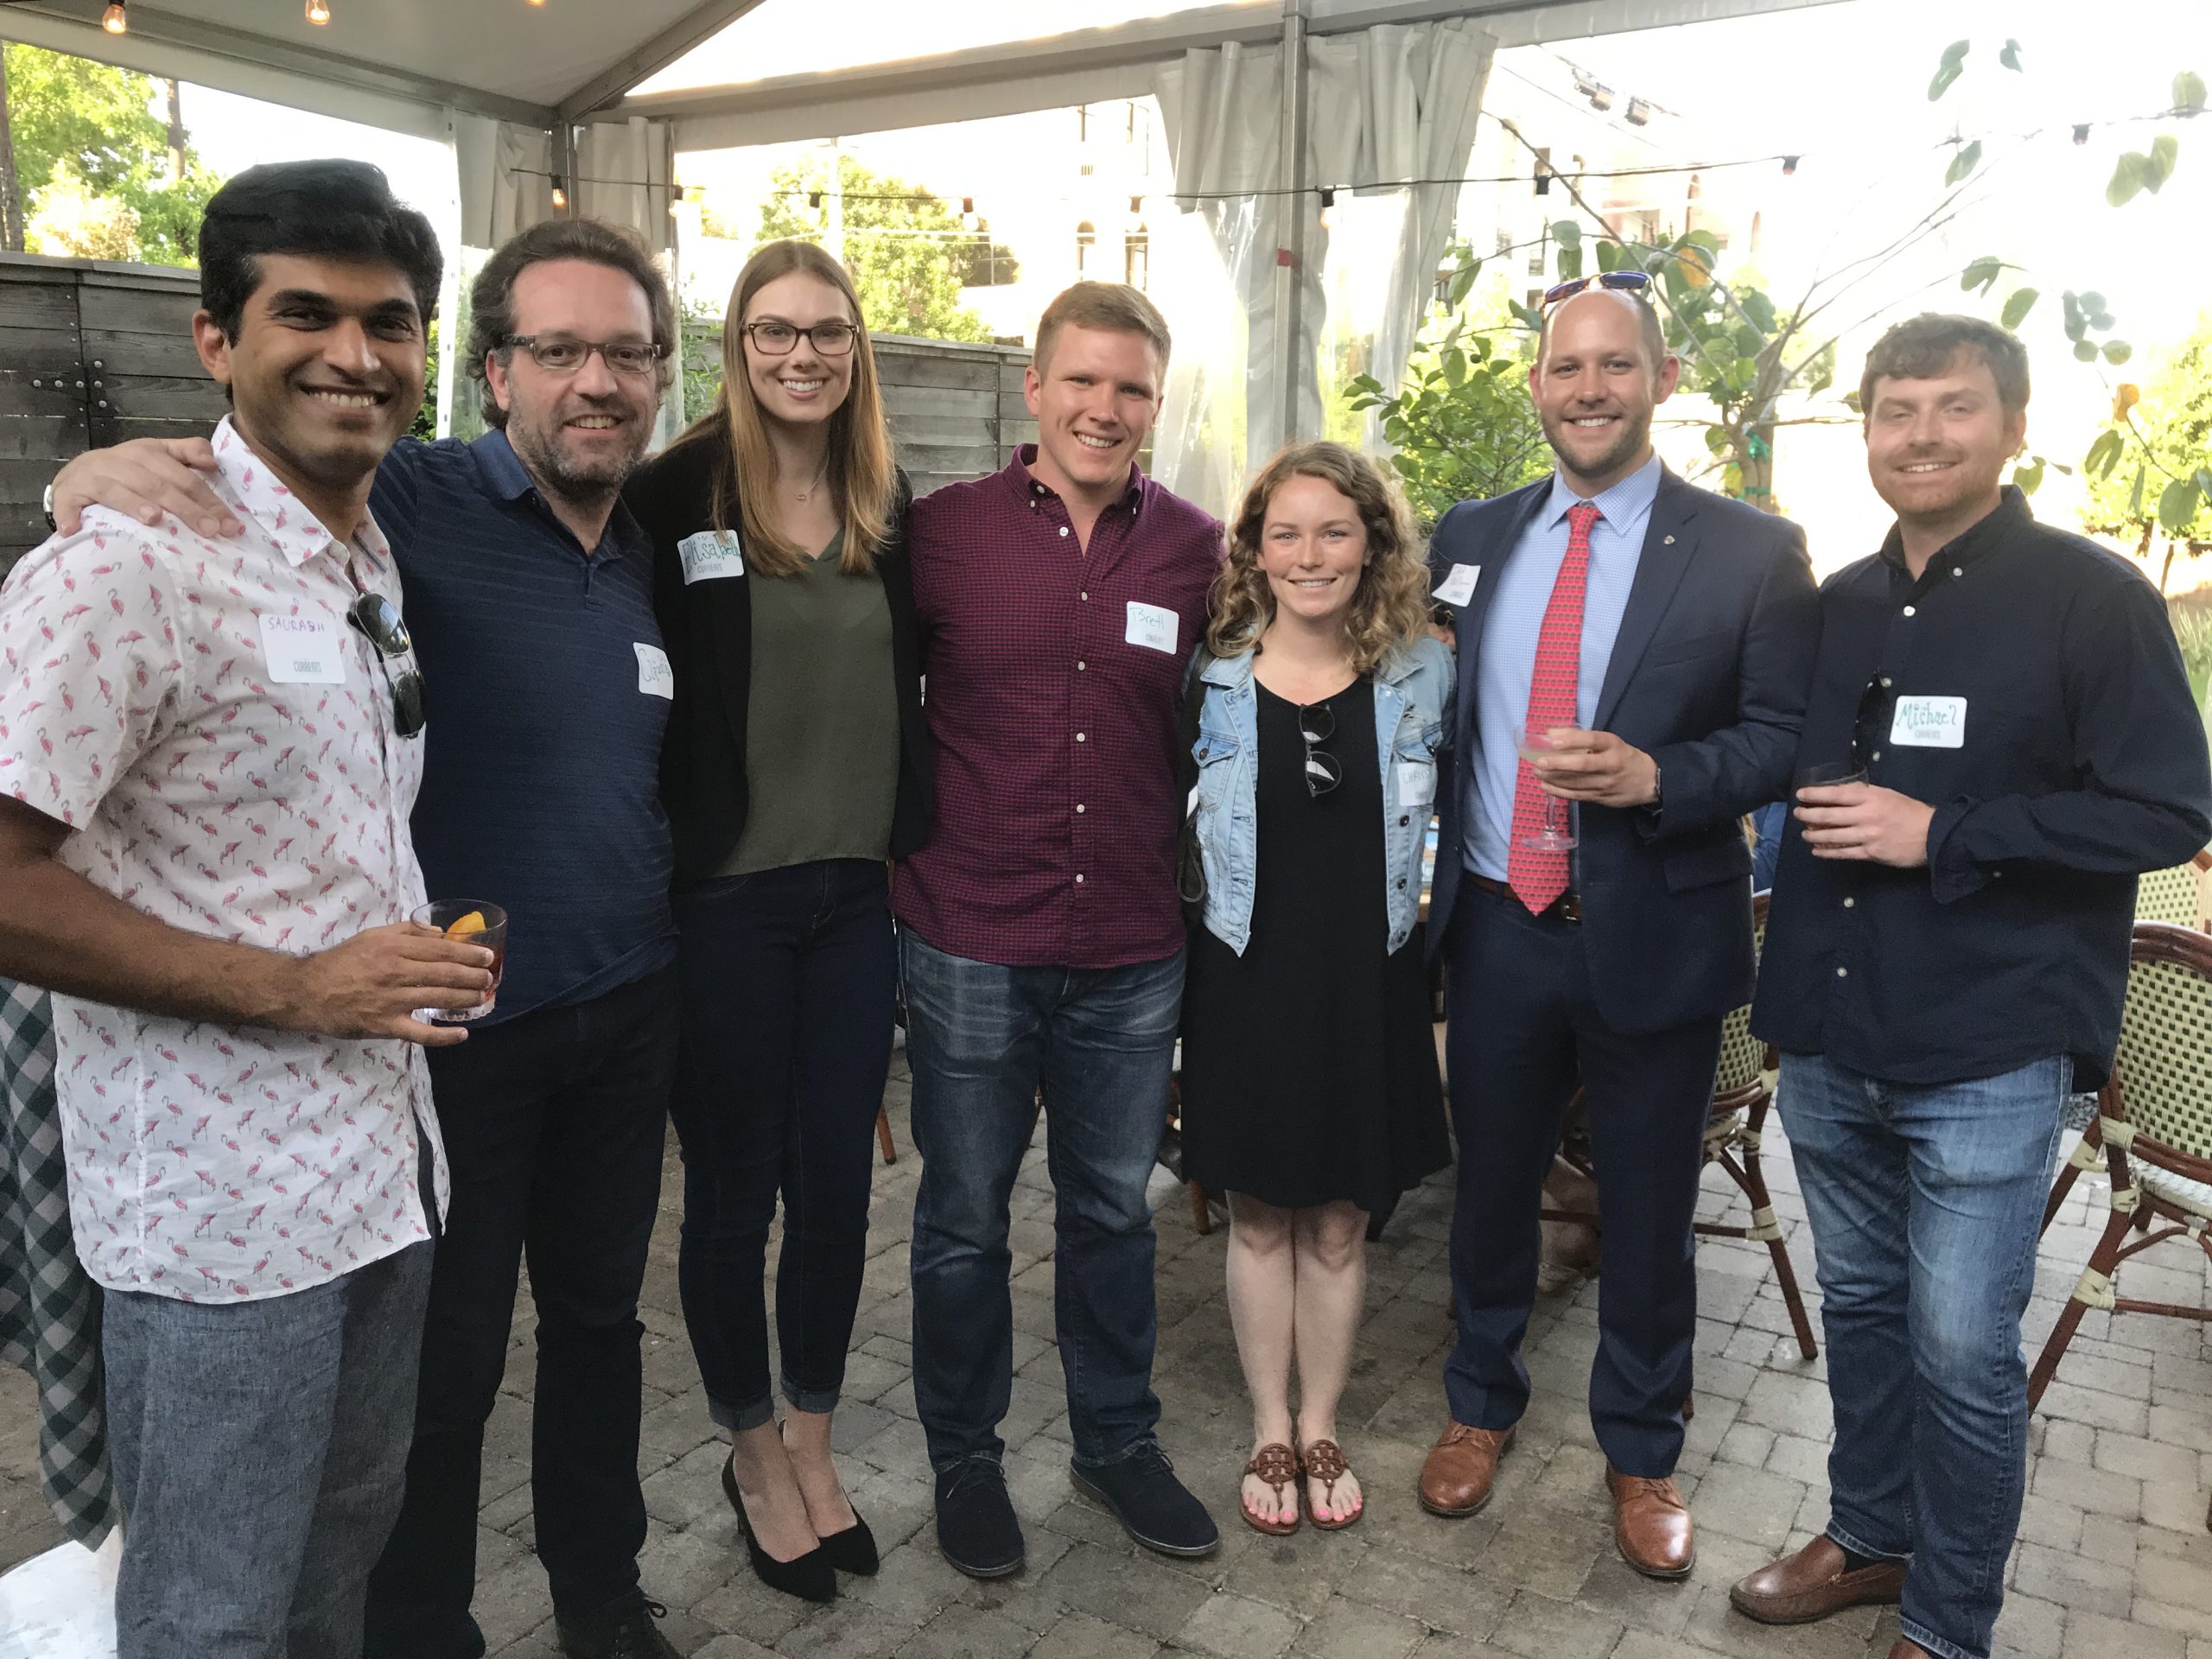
<point>11,194</point>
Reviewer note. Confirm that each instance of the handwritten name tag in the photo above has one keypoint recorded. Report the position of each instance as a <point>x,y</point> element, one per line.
<point>1153,627</point>
<point>1416,783</point>
<point>303,650</point>
<point>1459,587</point>
<point>656,679</point>
<point>1930,723</point>
<point>710,555</point>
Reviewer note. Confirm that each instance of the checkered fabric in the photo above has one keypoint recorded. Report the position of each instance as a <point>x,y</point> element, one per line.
<point>1538,878</point>
<point>2174,896</point>
<point>49,1309</point>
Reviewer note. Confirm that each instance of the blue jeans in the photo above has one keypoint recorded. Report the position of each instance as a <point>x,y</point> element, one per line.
<point>982,1040</point>
<point>1925,1204</point>
<point>788,980</point>
<point>260,1448</point>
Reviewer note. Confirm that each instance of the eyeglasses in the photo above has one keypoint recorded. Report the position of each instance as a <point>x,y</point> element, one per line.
<point>1621,282</point>
<point>377,618</point>
<point>1317,724</point>
<point>559,354</point>
<point>775,338</point>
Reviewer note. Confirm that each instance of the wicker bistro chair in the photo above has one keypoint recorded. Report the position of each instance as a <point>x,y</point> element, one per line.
<point>2153,1131</point>
<point>1743,1092</point>
<point>2175,896</point>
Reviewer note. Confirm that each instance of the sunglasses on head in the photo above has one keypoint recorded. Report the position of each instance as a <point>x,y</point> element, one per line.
<point>1621,282</point>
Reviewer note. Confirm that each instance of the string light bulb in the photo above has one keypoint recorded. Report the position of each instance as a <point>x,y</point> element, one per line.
<point>318,11</point>
<point>114,20</point>
<point>559,190</point>
<point>1788,166</point>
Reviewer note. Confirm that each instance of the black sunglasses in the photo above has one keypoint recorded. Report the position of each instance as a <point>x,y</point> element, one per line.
<point>1317,724</point>
<point>1623,282</point>
<point>377,618</point>
<point>1870,708</point>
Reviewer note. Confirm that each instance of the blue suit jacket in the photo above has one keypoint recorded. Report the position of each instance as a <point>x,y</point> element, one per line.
<point>1709,675</point>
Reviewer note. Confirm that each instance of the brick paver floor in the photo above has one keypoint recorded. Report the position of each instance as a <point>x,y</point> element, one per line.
<point>2114,1559</point>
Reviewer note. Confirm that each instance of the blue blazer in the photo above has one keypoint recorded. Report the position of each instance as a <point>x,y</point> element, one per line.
<point>1709,675</point>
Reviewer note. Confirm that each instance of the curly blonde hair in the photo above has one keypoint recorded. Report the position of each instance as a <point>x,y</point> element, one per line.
<point>1391,607</point>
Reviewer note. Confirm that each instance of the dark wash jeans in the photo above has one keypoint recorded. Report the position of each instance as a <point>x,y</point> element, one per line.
<point>788,980</point>
<point>982,1039</point>
<point>555,1122</point>
<point>1925,1206</point>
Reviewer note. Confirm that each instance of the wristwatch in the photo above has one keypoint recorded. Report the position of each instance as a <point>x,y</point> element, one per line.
<point>46,502</point>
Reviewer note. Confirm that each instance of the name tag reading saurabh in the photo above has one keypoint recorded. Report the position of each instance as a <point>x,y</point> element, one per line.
<point>1459,587</point>
<point>303,650</point>
<point>710,555</point>
<point>656,679</point>
<point>1930,723</point>
<point>1152,626</point>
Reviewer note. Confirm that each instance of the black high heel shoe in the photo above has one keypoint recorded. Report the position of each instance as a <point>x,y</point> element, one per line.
<point>811,1576</point>
<point>853,1550</point>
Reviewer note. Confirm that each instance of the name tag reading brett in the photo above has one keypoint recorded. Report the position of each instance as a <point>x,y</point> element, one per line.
<point>711,555</point>
<point>1459,587</point>
<point>1930,723</point>
<point>1153,627</point>
<point>656,679</point>
<point>303,650</point>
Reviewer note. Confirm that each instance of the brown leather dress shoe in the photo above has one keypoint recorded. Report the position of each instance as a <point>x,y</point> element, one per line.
<point>1814,1583</point>
<point>1455,1479</point>
<point>1651,1525</point>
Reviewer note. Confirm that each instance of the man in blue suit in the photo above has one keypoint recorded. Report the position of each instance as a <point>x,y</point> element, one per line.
<point>1661,638</point>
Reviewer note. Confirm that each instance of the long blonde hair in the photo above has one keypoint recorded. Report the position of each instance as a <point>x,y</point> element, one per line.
<point>1390,608</point>
<point>860,469</point>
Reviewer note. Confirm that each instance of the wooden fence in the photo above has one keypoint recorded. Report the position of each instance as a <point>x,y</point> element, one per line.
<point>92,354</point>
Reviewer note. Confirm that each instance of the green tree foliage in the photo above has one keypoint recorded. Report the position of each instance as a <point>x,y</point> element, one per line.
<point>908,251</point>
<point>88,131</point>
<point>2150,470</point>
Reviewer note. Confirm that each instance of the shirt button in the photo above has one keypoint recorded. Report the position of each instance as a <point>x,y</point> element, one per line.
<point>1085,597</point>
<point>1078,806</point>
<point>1908,610</point>
<point>1886,682</point>
<point>1078,878</point>
<point>1848,904</point>
<point>1876,755</point>
<point>1840,972</point>
<point>1956,571</point>
<point>1401,884</point>
<point>1080,666</point>
<point>1063,531</point>
<point>1402,822</point>
<point>1079,737</point>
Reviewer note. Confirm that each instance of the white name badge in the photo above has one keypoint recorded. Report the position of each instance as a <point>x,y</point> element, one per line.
<point>1152,626</point>
<point>1459,587</point>
<point>710,555</point>
<point>1930,723</point>
<point>303,650</point>
<point>655,677</point>
<point>1416,783</point>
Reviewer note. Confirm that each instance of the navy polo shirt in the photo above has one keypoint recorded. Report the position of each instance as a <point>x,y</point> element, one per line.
<point>541,776</point>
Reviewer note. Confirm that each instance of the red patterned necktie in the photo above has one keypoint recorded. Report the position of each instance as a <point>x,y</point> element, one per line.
<point>1538,878</point>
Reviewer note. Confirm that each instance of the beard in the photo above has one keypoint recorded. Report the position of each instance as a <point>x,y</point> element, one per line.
<point>1629,439</point>
<point>569,477</point>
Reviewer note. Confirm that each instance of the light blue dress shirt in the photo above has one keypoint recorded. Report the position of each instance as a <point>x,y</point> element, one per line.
<point>1511,624</point>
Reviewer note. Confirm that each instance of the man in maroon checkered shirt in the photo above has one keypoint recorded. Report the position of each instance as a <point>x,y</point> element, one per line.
<point>1041,937</point>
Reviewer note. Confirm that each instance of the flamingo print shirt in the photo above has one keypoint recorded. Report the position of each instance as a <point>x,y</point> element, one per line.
<point>221,741</point>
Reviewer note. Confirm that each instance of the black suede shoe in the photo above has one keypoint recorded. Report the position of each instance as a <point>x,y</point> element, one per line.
<point>975,1525</point>
<point>624,1630</point>
<point>811,1577</point>
<point>853,1550</point>
<point>1154,1507</point>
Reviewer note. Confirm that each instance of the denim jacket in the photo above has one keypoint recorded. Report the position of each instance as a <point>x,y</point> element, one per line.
<point>1412,695</point>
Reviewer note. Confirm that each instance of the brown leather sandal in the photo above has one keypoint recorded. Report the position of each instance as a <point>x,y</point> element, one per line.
<point>1277,1464</point>
<point>1324,1460</point>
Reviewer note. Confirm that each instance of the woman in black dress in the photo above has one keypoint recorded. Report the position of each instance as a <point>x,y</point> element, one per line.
<point>1310,1087</point>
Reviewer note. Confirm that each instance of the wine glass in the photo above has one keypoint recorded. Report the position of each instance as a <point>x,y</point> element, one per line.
<point>1556,833</point>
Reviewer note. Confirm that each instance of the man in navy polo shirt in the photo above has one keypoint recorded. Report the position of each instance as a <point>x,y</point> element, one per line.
<point>529,595</point>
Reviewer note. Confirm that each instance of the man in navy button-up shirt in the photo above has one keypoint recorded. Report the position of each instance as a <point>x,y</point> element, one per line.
<point>1945,960</point>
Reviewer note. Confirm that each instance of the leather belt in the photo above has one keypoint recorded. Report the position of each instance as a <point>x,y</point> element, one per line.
<point>1568,906</point>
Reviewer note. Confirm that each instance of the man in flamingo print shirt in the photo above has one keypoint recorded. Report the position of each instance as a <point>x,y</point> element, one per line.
<point>207,755</point>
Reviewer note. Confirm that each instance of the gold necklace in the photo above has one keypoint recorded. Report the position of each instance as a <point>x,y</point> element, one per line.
<point>807,494</point>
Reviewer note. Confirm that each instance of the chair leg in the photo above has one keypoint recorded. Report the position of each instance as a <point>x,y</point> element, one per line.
<point>1753,1180</point>
<point>2102,1261</point>
<point>2085,1155</point>
<point>883,1136</point>
<point>1201,1218</point>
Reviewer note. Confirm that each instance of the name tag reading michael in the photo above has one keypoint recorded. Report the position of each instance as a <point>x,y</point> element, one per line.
<point>655,677</point>
<point>1152,626</point>
<point>303,650</point>
<point>710,555</point>
<point>1930,723</point>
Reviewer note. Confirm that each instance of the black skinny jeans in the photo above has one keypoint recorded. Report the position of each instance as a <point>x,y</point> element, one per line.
<point>787,979</point>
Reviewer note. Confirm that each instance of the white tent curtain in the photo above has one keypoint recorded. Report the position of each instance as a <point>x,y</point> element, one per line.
<point>1396,101</point>
<point>624,173</point>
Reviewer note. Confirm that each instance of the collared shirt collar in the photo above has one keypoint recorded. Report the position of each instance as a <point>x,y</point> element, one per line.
<point>1619,506</point>
<point>1976,541</point>
<point>262,497</point>
<point>505,477</point>
<point>1027,483</point>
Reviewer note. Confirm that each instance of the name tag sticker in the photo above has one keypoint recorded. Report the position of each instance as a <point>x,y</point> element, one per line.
<point>303,650</point>
<point>1152,626</point>
<point>1416,783</point>
<point>1459,587</point>
<point>710,555</point>
<point>655,677</point>
<point>1930,723</point>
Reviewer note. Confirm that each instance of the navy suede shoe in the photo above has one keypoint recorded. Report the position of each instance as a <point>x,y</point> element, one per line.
<point>1154,1507</point>
<point>976,1524</point>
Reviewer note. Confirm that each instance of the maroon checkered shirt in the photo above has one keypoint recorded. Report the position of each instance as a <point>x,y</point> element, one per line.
<point>1055,731</point>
